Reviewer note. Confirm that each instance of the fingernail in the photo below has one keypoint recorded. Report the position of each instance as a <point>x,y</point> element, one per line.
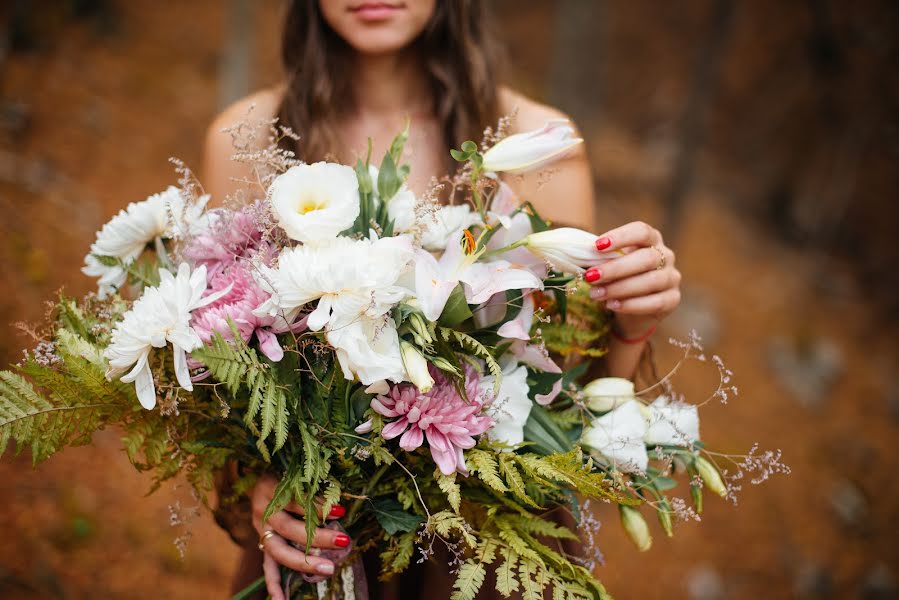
<point>337,511</point>
<point>613,304</point>
<point>341,540</point>
<point>592,275</point>
<point>597,293</point>
<point>603,243</point>
<point>325,568</point>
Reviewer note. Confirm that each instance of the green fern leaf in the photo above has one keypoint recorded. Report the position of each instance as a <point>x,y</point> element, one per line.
<point>469,580</point>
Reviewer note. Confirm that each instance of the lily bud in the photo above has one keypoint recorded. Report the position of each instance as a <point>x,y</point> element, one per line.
<point>710,476</point>
<point>530,150</point>
<point>696,492</point>
<point>608,393</point>
<point>567,249</point>
<point>416,367</point>
<point>445,365</point>
<point>420,328</point>
<point>664,512</point>
<point>635,526</point>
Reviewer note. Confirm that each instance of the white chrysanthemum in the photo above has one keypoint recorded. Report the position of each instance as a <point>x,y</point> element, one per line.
<point>446,221</point>
<point>672,423</point>
<point>161,315</point>
<point>127,234</point>
<point>511,406</point>
<point>315,202</point>
<point>349,278</point>
<point>618,435</point>
<point>368,349</point>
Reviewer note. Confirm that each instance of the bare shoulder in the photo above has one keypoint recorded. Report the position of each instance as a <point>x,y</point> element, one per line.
<point>529,114</point>
<point>219,171</point>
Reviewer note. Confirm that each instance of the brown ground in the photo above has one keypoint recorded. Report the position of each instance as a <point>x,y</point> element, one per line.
<point>106,110</point>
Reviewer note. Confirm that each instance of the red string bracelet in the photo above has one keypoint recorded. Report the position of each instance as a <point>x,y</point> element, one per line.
<point>637,340</point>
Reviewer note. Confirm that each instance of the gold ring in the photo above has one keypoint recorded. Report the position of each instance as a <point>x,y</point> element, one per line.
<point>662,258</point>
<point>264,537</point>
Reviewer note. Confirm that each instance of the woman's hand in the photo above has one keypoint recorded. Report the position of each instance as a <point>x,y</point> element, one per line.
<point>277,550</point>
<point>641,286</point>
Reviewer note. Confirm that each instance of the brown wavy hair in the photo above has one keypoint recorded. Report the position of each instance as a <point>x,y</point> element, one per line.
<point>459,59</point>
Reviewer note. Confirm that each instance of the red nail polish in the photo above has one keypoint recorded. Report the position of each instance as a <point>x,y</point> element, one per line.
<point>341,540</point>
<point>592,275</point>
<point>603,243</point>
<point>337,511</point>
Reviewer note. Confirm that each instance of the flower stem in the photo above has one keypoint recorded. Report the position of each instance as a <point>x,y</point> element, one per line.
<point>357,505</point>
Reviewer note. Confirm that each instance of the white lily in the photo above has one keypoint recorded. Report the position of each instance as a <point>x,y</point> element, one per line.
<point>511,407</point>
<point>527,151</point>
<point>439,228</point>
<point>436,279</point>
<point>416,367</point>
<point>520,327</point>
<point>672,423</point>
<point>315,202</point>
<point>160,316</point>
<point>537,357</point>
<point>618,435</point>
<point>607,393</point>
<point>567,249</point>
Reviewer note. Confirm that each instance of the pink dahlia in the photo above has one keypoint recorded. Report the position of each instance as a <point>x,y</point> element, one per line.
<point>449,423</point>
<point>238,305</point>
<point>231,236</point>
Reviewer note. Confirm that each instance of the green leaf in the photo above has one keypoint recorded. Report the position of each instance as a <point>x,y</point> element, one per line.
<point>469,147</point>
<point>506,581</point>
<point>456,310</point>
<point>393,518</point>
<point>389,181</point>
<point>364,177</point>
<point>396,146</point>
<point>469,580</point>
<point>459,156</point>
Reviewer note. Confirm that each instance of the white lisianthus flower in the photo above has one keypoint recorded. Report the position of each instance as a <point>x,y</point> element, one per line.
<point>607,393</point>
<point>530,150</point>
<point>416,367</point>
<point>618,435</point>
<point>160,316</point>
<point>401,210</point>
<point>446,220</point>
<point>672,423</point>
<point>349,278</point>
<point>511,407</point>
<point>368,349</point>
<point>566,249</point>
<point>127,234</point>
<point>315,202</point>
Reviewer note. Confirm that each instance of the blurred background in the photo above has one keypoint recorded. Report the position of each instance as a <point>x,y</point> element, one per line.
<point>762,137</point>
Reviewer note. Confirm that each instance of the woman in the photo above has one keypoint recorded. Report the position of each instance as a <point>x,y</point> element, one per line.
<point>357,69</point>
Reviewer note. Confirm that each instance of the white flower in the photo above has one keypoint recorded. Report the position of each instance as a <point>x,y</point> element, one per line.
<point>315,202</point>
<point>618,435</point>
<point>127,234</point>
<point>401,210</point>
<point>527,151</point>
<point>416,367</point>
<point>161,315</point>
<point>368,349</point>
<point>567,249</point>
<point>446,221</point>
<point>511,407</point>
<point>435,280</point>
<point>349,278</point>
<point>672,423</point>
<point>514,229</point>
<point>607,393</point>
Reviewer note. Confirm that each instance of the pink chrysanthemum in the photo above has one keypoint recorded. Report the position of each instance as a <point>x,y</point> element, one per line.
<point>449,423</point>
<point>231,237</point>
<point>238,305</point>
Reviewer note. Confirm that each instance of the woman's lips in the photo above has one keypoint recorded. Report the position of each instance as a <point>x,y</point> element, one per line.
<point>375,11</point>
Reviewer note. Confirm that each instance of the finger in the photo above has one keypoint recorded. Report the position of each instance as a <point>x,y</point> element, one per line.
<point>636,233</point>
<point>336,511</point>
<point>638,261</point>
<point>653,304</point>
<point>295,531</point>
<point>643,284</point>
<point>259,508</point>
<point>290,557</point>
<point>272,577</point>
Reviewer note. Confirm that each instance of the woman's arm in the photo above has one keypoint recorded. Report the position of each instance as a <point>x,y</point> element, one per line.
<point>641,287</point>
<point>220,173</point>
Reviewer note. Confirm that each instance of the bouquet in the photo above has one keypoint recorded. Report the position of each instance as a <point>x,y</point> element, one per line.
<point>419,362</point>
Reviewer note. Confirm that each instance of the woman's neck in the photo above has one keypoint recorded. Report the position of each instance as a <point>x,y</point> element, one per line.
<point>390,85</point>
